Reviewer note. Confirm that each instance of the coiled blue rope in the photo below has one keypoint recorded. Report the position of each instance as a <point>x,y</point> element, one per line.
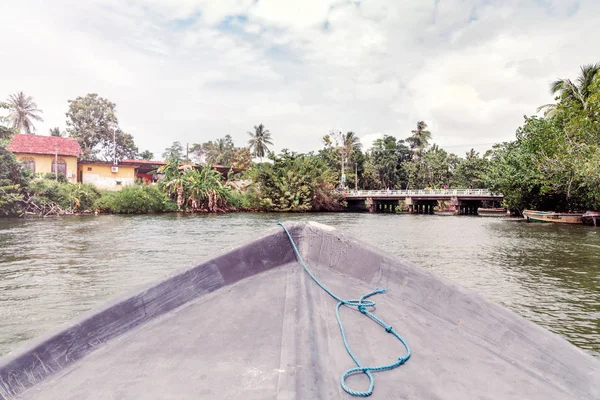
<point>362,305</point>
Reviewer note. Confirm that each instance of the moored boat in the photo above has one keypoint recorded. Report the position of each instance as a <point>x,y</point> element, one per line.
<point>591,218</point>
<point>549,216</point>
<point>252,323</point>
<point>491,212</point>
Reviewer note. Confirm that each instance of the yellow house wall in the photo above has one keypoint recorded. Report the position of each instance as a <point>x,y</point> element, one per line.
<point>102,177</point>
<point>43,164</point>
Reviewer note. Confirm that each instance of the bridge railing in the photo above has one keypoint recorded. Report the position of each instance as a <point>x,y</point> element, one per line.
<point>421,192</point>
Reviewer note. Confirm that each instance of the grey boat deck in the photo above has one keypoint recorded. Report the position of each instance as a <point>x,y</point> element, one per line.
<point>251,324</point>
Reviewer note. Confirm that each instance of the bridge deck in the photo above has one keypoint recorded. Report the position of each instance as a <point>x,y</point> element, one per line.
<point>463,194</point>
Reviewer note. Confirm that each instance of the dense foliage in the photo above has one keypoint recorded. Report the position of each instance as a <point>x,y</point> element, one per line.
<point>295,182</point>
<point>194,188</point>
<point>554,163</point>
<point>221,152</point>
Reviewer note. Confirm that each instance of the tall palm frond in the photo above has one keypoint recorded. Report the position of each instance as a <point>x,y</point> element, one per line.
<point>578,92</point>
<point>23,111</point>
<point>351,143</point>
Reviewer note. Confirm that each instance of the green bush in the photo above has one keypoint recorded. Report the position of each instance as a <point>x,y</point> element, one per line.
<point>68,196</point>
<point>243,201</point>
<point>135,199</point>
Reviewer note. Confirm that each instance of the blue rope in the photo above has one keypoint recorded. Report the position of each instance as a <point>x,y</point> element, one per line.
<point>362,305</point>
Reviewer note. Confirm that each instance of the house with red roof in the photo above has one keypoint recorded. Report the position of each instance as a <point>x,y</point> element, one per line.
<point>47,154</point>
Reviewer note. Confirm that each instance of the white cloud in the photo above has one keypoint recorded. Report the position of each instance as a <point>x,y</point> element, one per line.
<point>194,70</point>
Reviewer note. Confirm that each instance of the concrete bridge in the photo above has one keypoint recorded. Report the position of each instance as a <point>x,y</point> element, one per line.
<point>462,201</point>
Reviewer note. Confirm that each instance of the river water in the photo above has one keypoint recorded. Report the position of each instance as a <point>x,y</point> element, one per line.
<point>53,269</point>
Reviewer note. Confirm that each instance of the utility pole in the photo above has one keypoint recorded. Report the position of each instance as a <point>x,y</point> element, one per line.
<point>355,176</point>
<point>340,142</point>
<point>56,162</point>
<point>114,146</point>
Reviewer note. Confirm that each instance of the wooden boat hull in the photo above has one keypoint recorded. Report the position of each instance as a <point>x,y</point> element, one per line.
<point>546,216</point>
<point>591,218</point>
<point>251,324</point>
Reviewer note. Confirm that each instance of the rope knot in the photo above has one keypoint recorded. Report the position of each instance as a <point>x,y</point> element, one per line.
<point>361,305</point>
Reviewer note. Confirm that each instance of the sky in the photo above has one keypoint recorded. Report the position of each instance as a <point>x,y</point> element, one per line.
<point>196,70</point>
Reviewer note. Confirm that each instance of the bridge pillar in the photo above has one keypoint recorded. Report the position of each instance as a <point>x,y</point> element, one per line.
<point>370,204</point>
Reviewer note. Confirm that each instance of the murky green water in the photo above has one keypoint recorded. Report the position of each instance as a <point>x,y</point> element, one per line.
<point>53,269</point>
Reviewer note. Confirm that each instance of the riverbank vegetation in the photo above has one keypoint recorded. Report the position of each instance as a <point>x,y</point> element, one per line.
<point>553,164</point>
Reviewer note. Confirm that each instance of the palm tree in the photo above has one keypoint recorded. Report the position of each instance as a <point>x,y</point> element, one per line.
<point>23,111</point>
<point>259,140</point>
<point>419,139</point>
<point>351,143</point>
<point>577,91</point>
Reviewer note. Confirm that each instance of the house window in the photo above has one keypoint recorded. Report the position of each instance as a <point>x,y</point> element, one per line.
<point>62,166</point>
<point>29,163</point>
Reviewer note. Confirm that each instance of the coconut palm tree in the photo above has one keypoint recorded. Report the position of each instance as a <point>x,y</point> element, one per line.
<point>351,143</point>
<point>577,91</point>
<point>23,111</point>
<point>420,139</point>
<point>259,140</point>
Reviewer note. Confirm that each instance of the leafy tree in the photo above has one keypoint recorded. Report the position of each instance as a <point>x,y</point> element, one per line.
<point>124,145</point>
<point>553,164</point>
<point>241,158</point>
<point>93,122</point>
<point>13,182</point>
<point>174,152</point>
<point>219,151</point>
<point>145,155</point>
<point>436,169</point>
<point>23,111</point>
<point>259,142</point>
<point>388,157</point>
<point>56,132</point>
<point>471,171</point>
